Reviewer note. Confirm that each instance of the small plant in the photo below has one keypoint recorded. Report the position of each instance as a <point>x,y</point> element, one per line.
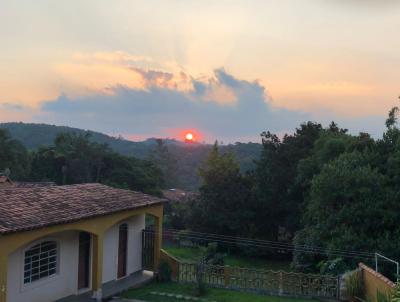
<point>334,267</point>
<point>354,286</point>
<point>164,272</point>
<point>383,297</point>
<point>396,294</point>
<point>212,256</point>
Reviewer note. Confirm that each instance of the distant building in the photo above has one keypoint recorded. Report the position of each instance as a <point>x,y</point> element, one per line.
<point>178,195</point>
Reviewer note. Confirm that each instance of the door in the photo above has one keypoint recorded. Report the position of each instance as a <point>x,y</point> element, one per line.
<point>84,260</point>
<point>148,242</point>
<point>122,250</point>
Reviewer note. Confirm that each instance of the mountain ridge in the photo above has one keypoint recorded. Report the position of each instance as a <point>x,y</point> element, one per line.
<point>189,156</point>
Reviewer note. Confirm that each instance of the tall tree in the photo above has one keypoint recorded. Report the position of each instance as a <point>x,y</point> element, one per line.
<point>166,162</point>
<point>279,201</point>
<point>13,156</point>
<point>225,204</point>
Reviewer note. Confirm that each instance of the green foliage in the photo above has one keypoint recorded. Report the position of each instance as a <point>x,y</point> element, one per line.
<point>167,163</point>
<point>354,285</point>
<point>333,267</point>
<point>279,197</point>
<point>178,161</point>
<point>164,272</point>
<point>212,256</point>
<point>75,158</point>
<point>396,295</point>
<point>225,197</point>
<point>383,297</point>
<point>13,156</point>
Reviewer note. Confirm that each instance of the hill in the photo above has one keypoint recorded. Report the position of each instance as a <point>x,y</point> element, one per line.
<point>188,157</point>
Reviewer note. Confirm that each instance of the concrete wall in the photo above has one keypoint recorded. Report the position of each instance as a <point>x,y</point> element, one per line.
<point>374,282</point>
<point>62,284</point>
<point>110,261</point>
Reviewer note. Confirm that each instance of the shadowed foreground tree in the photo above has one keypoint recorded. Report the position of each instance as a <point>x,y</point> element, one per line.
<point>225,204</point>
<point>13,156</point>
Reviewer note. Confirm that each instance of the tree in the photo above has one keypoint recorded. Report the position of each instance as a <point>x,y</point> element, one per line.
<point>13,156</point>
<point>349,209</point>
<point>278,200</point>
<point>225,204</point>
<point>166,162</point>
<point>74,158</point>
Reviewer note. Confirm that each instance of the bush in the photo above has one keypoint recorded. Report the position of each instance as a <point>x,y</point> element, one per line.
<point>212,256</point>
<point>396,295</point>
<point>164,272</point>
<point>383,297</point>
<point>336,266</point>
<point>354,286</point>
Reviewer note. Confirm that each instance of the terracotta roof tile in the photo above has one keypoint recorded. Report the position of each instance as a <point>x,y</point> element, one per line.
<point>25,208</point>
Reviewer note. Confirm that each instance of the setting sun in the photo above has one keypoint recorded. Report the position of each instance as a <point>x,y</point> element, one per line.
<point>189,136</point>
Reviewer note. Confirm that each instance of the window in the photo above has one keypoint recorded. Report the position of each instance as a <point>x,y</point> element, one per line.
<point>40,261</point>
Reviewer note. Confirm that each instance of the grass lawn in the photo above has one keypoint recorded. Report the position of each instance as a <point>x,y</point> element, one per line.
<point>194,254</point>
<point>219,295</point>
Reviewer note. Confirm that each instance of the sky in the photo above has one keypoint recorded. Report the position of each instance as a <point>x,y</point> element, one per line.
<point>225,69</point>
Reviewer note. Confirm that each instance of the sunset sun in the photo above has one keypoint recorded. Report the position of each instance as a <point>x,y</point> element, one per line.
<point>189,137</point>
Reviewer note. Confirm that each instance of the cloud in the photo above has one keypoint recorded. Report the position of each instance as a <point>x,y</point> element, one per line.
<point>222,107</point>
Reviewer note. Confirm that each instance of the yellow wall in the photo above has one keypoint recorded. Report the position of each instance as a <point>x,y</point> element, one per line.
<point>374,282</point>
<point>96,226</point>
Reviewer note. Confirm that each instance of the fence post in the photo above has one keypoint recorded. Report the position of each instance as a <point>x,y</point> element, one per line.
<point>227,275</point>
<point>280,283</point>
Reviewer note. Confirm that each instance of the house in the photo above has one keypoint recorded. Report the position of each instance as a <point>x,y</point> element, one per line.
<point>178,195</point>
<point>62,241</point>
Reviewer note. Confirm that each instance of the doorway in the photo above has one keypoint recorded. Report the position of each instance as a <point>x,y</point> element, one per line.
<point>84,260</point>
<point>122,250</point>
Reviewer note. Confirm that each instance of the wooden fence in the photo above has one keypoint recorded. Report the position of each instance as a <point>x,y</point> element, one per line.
<point>263,281</point>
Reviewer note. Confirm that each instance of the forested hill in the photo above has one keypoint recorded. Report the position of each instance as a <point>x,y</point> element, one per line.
<point>32,136</point>
<point>186,158</point>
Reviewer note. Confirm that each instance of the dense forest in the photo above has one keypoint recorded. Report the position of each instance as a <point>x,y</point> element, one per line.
<point>319,187</point>
<point>184,170</point>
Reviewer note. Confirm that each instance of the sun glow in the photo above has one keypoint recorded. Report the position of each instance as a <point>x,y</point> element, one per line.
<point>189,137</point>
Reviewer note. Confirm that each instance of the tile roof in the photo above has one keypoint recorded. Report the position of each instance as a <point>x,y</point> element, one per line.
<point>23,184</point>
<point>26,208</point>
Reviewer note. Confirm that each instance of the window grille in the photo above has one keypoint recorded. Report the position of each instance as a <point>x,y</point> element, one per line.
<point>40,261</point>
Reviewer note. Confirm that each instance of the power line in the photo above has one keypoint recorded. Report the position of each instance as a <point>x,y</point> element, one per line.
<point>284,244</point>
<point>231,240</point>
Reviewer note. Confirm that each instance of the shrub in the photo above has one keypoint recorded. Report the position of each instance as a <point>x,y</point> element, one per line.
<point>164,272</point>
<point>354,285</point>
<point>382,297</point>
<point>335,266</point>
<point>396,295</point>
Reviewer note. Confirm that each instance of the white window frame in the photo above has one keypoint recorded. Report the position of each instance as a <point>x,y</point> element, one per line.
<point>57,262</point>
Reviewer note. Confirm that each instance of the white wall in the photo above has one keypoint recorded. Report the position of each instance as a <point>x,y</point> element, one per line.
<point>110,260</point>
<point>64,283</point>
